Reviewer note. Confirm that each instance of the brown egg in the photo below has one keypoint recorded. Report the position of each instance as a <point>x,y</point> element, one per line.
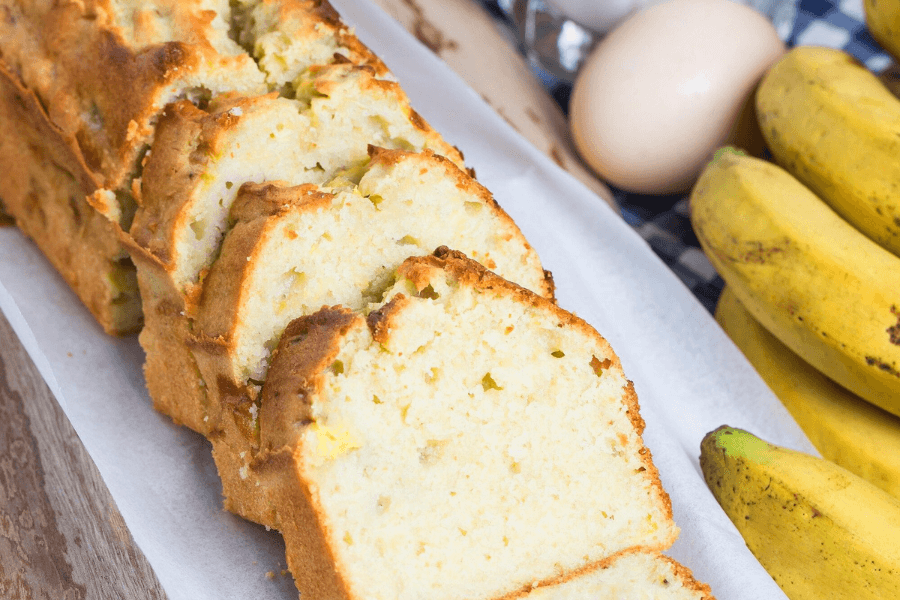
<point>667,87</point>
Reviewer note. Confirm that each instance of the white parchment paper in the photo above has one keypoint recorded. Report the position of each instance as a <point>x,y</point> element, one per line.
<point>689,377</point>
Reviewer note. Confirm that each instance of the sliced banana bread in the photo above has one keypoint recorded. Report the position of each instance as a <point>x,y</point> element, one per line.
<point>102,72</point>
<point>200,160</point>
<point>468,439</point>
<point>288,36</point>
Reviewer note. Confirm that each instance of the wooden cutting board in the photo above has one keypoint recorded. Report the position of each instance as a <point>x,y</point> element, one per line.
<point>61,535</point>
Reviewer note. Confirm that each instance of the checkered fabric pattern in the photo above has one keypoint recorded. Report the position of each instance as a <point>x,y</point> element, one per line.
<point>663,221</point>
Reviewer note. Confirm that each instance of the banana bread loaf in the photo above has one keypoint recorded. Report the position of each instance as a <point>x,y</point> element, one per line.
<point>101,72</point>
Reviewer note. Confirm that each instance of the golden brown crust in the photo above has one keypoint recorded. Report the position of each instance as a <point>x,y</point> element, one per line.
<point>309,555</point>
<point>44,185</point>
<point>470,272</point>
<point>298,16</point>
<point>168,171</point>
<point>634,415</point>
<point>684,575</point>
<point>168,357</point>
<point>262,200</point>
<point>106,87</point>
<point>550,286</point>
<point>307,347</point>
<point>380,321</point>
<point>687,578</point>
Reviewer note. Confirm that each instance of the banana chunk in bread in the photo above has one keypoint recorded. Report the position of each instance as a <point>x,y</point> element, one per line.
<point>631,576</point>
<point>295,249</point>
<point>199,162</point>
<point>468,439</point>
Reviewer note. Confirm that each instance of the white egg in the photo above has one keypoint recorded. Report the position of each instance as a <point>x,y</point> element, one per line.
<point>667,87</point>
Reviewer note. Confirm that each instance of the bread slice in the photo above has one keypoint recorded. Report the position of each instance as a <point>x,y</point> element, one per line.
<point>288,36</point>
<point>631,576</point>
<point>295,249</point>
<point>201,159</point>
<point>468,439</point>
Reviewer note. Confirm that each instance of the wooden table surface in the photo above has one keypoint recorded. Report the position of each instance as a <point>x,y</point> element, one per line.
<point>61,535</point>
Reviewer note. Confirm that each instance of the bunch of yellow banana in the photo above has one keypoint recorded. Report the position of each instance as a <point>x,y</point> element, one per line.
<point>811,258</point>
<point>825,290</point>
<point>819,530</point>
<point>845,429</point>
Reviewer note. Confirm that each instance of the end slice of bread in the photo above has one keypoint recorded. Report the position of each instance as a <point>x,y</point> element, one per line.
<point>631,576</point>
<point>468,439</point>
<point>44,187</point>
<point>103,74</point>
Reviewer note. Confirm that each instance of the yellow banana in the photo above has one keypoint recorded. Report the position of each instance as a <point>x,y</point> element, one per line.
<point>883,22</point>
<point>819,530</point>
<point>845,429</point>
<point>836,127</point>
<point>821,287</point>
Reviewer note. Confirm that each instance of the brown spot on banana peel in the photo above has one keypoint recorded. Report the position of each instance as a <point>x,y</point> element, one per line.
<point>759,253</point>
<point>894,330</point>
<point>875,362</point>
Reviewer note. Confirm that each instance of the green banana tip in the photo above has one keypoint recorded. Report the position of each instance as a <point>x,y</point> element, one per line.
<point>736,442</point>
<point>726,151</point>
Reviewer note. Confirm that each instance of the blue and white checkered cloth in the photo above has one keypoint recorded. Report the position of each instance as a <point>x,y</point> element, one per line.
<point>663,221</point>
<point>837,25</point>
